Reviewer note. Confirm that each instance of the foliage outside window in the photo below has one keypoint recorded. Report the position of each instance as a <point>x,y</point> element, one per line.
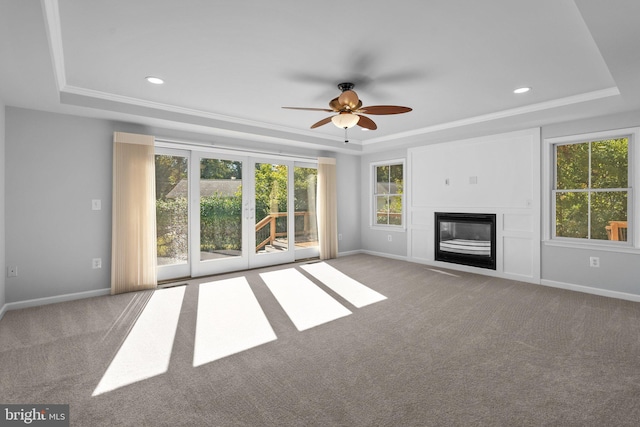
<point>591,191</point>
<point>388,194</point>
<point>172,214</point>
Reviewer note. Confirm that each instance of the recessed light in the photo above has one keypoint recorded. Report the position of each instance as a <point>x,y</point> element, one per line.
<point>155,80</point>
<point>522,90</point>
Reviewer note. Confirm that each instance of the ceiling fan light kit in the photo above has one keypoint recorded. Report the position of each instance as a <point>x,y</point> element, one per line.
<point>350,110</point>
<point>345,120</point>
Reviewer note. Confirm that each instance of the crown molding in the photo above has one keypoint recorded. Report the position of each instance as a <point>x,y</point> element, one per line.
<point>547,105</point>
<point>51,13</point>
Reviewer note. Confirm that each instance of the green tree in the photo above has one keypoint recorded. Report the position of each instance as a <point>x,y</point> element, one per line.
<point>169,171</point>
<point>271,189</point>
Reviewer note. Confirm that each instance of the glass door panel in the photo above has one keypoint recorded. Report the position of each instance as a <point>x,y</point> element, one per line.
<point>221,219</point>
<point>306,225</point>
<point>172,213</point>
<point>273,224</point>
<point>220,209</point>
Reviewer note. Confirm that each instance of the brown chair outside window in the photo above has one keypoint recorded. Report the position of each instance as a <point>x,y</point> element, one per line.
<point>617,230</point>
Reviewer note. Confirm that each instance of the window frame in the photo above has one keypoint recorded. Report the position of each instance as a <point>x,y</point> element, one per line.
<point>633,214</point>
<point>373,194</point>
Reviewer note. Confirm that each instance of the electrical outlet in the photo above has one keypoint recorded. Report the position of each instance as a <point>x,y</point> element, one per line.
<point>96,263</point>
<point>12,271</point>
<point>594,261</point>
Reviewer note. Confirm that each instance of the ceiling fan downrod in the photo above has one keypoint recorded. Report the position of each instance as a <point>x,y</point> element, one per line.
<point>345,86</point>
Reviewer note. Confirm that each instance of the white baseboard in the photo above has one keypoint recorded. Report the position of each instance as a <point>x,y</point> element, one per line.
<point>347,253</point>
<point>3,310</point>
<point>382,254</point>
<point>590,290</point>
<point>52,300</point>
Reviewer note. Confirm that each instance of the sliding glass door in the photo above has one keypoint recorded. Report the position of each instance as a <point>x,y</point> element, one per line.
<point>218,213</point>
<point>172,213</point>
<point>221,200</point>
<point>273,219</point>
<point>305,223</point>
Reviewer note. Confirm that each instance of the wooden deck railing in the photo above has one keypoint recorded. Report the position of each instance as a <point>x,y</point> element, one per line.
<point>617,230</point>
<point>270,221</point>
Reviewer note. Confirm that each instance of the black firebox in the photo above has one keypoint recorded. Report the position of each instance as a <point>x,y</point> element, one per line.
<point>466,238</point>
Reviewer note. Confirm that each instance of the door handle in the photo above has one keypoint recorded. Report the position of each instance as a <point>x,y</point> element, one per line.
<point>248,213</point>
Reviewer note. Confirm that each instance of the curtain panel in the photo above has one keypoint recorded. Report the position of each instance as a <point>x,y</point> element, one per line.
<point>133,241</point>
<point>327,209</point>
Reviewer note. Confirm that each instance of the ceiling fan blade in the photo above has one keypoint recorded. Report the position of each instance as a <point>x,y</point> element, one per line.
<point>367,123</point>
<point>321,122</point>
<point>384,109</point>
<point>309,109</point>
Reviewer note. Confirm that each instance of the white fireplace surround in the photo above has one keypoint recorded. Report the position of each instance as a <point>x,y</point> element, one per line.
<point>497,174</point>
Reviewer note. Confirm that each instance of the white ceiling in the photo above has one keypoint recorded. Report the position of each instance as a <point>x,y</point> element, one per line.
<point>230,66</point>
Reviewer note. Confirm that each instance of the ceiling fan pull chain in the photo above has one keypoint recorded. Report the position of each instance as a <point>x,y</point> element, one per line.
<point>346,139</point>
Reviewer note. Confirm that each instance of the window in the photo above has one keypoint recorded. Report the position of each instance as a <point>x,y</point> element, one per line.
<point>388,193</point>
<point>591,192</point>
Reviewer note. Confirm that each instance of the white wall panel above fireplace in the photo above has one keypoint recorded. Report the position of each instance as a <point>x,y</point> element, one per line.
<point>495,171</point>
<point>497,174</point>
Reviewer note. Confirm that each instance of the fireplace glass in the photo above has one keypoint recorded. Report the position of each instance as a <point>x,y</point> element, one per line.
<point>466,238</point>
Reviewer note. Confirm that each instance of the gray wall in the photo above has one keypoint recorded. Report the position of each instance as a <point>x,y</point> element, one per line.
<point>3,269</point>
<point>348,183</point>
<point>618,272</point>
<point>377,240</point>
<point>56,164</point>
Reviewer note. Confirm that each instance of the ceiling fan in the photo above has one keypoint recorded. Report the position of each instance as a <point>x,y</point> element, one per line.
<point>350,110</point>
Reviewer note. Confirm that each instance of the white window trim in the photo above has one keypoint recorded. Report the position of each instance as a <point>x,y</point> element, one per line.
<point>372,200</point>
<point>548,205</point>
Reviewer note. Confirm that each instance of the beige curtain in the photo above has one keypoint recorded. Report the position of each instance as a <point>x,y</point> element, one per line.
<point>327,208</point>
<point>133,241</point>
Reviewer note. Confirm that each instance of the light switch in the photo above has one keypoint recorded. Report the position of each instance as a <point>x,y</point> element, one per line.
<point>96,204</point>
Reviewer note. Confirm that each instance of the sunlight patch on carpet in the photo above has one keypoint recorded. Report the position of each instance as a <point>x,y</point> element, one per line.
<point>304,302</point>
<point>230,320</point>
<point>146,351</point>
<point>353,291</point>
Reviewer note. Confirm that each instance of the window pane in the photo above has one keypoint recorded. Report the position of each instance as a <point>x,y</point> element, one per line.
<point>172,209</point>
<point>382,210</point>
<point>396,178</point>
<point>572,218</point>
<point>395,210</point>
<point>609,161</point>
<point>572,167</point>
<point>382,180</point>
<point>306,226</point>
<point>271,207</point>
<point>609,215</point>
<point>220,209</point>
